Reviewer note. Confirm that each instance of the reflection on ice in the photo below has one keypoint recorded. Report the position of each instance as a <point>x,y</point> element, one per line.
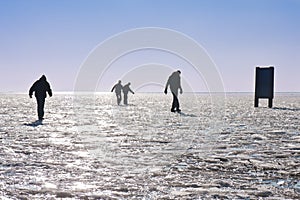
<point>51,186</point>
<point>98,150</point>
<point>77,186</point>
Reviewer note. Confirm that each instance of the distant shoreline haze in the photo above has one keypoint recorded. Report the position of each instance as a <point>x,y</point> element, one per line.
<point>98,93</point>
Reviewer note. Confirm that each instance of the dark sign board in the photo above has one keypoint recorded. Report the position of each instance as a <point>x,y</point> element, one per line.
<point>264,84</point>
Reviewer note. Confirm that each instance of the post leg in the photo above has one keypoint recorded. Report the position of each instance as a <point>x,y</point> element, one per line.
<point>256,102</point>
<point>270,102</point>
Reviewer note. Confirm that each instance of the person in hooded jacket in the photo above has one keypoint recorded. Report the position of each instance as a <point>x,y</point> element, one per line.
<point>175,85</point>
<point>40,87</point>
<point>126,89</point>
<point>118,90</point>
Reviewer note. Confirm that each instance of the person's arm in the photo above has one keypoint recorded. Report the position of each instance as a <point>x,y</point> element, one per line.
<point>180,88</point>
<point>131,91</point>
<point>49,90</point>
<point>113,88</point>
<point>167,85</point>
<point>31,90</point>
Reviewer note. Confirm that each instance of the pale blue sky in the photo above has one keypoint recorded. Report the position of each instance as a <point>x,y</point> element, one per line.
<point>54,37</point>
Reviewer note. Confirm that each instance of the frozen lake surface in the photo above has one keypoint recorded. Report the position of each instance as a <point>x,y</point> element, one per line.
<point>90,148</point>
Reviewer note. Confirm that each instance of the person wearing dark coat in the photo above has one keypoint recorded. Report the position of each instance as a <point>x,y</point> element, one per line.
<point>175,84</point>
<point>126,89</point>
<point>40,87</point>
<point>118,90</point>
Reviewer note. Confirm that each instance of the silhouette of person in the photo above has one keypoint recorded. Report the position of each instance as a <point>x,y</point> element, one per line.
<point>174,83</point>
<point>40,87</point>
<point>126,89</point>
<point>118,90</point>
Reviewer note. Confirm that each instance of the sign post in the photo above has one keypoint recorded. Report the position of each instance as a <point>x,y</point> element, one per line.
<point>264,85</point>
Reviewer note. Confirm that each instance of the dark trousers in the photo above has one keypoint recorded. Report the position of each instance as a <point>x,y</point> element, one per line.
<point>40,107</point>
<point>175,103</point>
<point>125,99</point>
<point>119,98</point>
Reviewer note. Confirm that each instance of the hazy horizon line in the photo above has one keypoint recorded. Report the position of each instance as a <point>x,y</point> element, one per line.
<point>197,92</point>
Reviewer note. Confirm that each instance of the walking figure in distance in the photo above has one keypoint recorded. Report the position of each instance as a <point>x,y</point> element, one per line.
<point>40,87</point>
<point>118,90</point>
<point>174,83</point>
<point>126,89</point>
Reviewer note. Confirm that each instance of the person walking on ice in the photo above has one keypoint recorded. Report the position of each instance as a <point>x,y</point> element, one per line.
<point>40,87</point>
<point>175,84</point>
<point>118,90</point>
<point>126,89</point>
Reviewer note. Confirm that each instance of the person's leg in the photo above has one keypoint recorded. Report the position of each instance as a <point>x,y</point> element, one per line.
<point>40,107</point>
<point>175,103</point>
<point>119,98</point>
<point>125,99</point>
